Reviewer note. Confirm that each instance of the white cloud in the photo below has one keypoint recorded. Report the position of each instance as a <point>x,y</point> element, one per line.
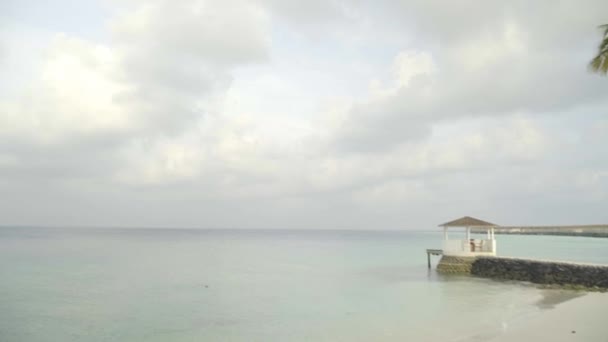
<point>335,112</point>
<point>160,162</point>
<point>157,76</point>
<point>73,96</point>
<point>218,32</point>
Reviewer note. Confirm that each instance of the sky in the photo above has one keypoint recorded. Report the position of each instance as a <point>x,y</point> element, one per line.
<point>318,114</point>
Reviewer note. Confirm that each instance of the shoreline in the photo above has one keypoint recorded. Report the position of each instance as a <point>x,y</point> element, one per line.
<point>576,319</point>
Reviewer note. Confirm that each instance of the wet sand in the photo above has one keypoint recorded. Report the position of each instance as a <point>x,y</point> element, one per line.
<point>578,319</point>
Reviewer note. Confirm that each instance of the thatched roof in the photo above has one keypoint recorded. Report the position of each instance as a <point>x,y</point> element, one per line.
<point>468,221</point>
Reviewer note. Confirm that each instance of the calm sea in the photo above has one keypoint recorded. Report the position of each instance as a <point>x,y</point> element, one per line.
<point>230,285</point>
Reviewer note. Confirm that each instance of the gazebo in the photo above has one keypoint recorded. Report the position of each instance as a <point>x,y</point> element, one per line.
<point>469,246</point>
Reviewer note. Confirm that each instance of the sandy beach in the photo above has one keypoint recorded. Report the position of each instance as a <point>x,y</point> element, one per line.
<point>578,319</point>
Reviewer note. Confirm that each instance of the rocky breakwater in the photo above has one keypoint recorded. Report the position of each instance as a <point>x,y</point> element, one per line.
<point>455,265</point>
<point>541,272</point>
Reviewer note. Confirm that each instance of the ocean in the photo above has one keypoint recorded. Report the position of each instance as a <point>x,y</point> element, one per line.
<point>85,284</point>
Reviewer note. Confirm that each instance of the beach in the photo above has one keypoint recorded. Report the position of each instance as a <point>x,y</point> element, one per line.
<point>578,319</point>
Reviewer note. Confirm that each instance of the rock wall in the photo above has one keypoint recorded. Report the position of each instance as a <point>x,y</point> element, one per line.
<point>541,272</point>
<point>455,265</point>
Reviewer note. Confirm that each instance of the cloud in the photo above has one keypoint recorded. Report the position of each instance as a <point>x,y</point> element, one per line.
<point>3,52</point>
<point>153,79</point>
<point>315,16</point>
<point>73,95</point>
<point>498,62</point>
<point>174,56</point>
<point>222,33</point>
<point>367,125</point>
<point>327,114</point>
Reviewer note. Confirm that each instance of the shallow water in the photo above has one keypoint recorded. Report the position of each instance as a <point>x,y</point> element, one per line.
<point>230,285</point>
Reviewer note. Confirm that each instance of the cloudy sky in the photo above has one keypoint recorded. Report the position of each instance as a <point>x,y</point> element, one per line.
<point>301,114</point>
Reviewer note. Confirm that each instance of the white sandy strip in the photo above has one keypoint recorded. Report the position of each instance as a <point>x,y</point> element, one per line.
<point>580,319</point>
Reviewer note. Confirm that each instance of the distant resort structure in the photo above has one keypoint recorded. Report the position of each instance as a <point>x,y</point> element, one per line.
<point>591,230</point>
<point>465,254</point>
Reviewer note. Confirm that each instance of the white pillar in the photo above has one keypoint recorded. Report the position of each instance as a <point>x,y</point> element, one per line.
<point>445,233</point>
<point>488,233</point>
<point>468,234</point>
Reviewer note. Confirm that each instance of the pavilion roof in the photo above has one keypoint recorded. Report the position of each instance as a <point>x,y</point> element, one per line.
<point>468,221</point>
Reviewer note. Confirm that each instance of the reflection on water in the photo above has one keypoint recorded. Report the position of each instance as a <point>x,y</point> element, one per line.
<point>552,297</point>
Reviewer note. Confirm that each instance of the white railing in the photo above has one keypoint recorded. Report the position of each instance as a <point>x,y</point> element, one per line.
<point>468,247</point>
<point>486,246</point>
<point>454,246</point>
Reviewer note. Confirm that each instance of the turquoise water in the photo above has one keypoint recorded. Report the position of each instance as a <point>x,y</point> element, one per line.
<point>214,285</point>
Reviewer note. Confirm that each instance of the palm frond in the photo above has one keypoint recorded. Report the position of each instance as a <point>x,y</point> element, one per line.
<point>599,63</point>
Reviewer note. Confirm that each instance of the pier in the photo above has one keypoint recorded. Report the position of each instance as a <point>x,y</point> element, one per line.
<point>477,257</point>
<point>430,252</point>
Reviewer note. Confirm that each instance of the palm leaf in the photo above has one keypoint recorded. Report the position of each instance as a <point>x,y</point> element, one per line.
<point>599,63</point>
